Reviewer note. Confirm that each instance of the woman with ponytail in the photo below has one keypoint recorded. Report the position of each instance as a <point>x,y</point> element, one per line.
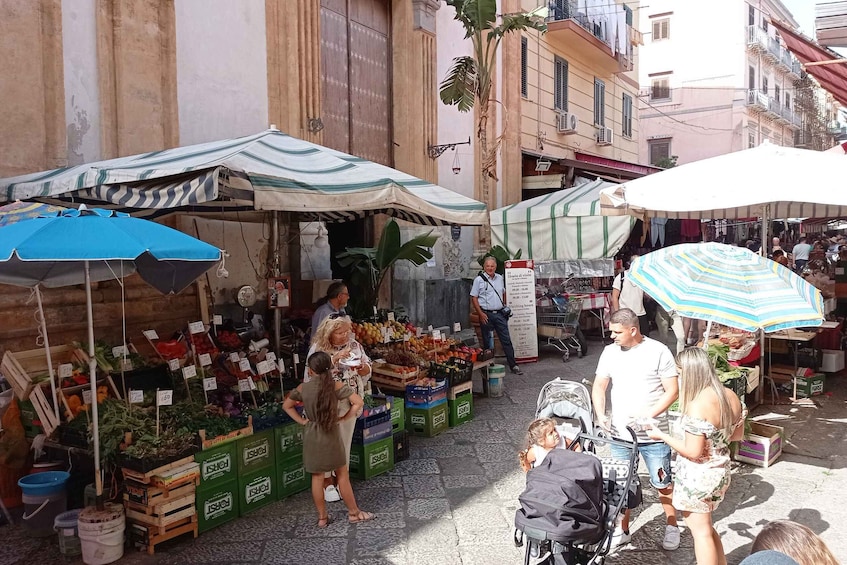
<point>323,448</point>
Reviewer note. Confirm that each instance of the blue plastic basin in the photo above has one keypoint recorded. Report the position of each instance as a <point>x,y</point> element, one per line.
<point>43,484</point>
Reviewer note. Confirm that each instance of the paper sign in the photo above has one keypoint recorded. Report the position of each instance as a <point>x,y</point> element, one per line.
<point>386,337</point>
<point>296,359</point>
<point>86,397</point>
<point>281,366</point>
<point>196,327</point>
<point>244,364</point>
<point>430,328</point>
<point>270,356</point>
<point>234,357</point>
<point>164,397</point>
<point>218,320</point>
<point>264,367</point>
<point>65,370</point>
<point>150,334</point>
<point>418,332</point>
<point>126,364</point>
<point>457,327</point>
<point>436,335</point>
<point>173,364</point>
<point>119,351</point>
<point>252,384</point>
<point>407,336</point>
<point>243,385</point>
<point>205,359</point>
<point>136,396</point>
<point>210,383</point>
<point>189,371</point>
<point>391,316</point>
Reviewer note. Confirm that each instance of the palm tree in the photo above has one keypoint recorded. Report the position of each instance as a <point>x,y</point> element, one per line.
<point>469,79</point>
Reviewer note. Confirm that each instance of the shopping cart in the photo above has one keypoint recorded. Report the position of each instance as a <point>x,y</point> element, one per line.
<point>558,324</point>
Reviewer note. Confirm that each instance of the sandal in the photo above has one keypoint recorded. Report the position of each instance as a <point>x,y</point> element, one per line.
<point>324,522</point>
<point>361,516</point>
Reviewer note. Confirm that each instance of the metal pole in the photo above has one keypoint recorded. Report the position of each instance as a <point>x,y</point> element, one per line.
<point>47,348</point>
<point>92,375</point>
<point>764,252</point>
<point>273,249</point>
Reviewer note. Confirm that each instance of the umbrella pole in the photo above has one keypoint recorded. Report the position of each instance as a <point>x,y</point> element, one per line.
<point>707,334</point>
<point>47,349</point>
<point>92,374</point>
<point>764,251</point>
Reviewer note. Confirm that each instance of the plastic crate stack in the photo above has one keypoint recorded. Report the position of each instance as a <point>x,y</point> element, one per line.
<point>426,409</point>
<point>458,373</point>
<point>372,451</point>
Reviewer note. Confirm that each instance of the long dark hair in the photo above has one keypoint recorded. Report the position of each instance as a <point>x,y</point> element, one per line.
<point>327,405</point>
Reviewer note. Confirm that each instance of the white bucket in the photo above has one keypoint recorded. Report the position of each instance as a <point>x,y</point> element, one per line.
<point>496,380</point>
<point>101,534</point>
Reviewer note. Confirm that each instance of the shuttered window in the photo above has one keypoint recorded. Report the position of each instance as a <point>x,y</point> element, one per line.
<point>523,66</point>
<point>660,89</point>
<point>628,13</point>
<point>659,149</point>
<point>560,84</point>
<point>751,78</point>
<point>626,117</point>
<point>661,29</point>
<point>599,102</point>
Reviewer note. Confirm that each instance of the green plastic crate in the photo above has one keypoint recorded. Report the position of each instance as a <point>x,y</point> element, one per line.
<point>257,489</point>
<point>461,409</point>
<point>289,440</point>
<point>427,422</point>
<point>398,414</point>
<point>217,505</point>
<point>255,451</point>
<point>372,459</point>
<point>291,477</point>
<point>217,466</point>
<point>810,386</point>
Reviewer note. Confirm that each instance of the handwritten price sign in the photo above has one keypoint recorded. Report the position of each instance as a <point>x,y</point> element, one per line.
<point>164,397</point>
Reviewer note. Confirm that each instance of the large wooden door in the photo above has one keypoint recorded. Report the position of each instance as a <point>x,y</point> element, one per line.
<point>356,81</point>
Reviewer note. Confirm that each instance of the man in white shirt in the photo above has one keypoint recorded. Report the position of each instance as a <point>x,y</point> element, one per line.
<point>625,294</point>
<point>801,254</point>
<point>488,300</point>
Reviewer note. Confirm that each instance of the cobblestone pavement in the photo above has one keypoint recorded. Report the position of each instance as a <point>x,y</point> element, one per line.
<point>453,501</point>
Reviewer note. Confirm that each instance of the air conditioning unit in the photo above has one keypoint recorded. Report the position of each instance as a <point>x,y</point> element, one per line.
<point>566,122</point>
<point>604,136</point>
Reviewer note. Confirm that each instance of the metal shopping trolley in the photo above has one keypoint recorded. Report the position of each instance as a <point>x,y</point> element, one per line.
<point>558,324</point>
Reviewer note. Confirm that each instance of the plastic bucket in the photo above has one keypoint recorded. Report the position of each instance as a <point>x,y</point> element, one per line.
<point>65,526</point>
<point>496,380</point>
<point>47,466</point>
<point>90,495</point>
<point>44,498</point>
<point>101,534</point>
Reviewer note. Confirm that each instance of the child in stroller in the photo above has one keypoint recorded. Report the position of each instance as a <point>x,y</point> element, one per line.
<point>572,500</point>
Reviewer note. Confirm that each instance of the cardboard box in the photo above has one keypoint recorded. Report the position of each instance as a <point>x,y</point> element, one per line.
<point>833,361</point>
<point>761,446</point>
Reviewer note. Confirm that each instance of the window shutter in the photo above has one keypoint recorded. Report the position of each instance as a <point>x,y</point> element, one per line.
<point>599,102</point>
<point>560,84</point>
<point>628,11</point>
<point>657,28</point>
<point>523,66</point>
<point>751,78</point>
<point>665,34</point>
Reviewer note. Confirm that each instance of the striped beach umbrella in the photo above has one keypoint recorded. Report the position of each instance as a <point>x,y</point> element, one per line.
<point>728,285</point>
<point>17,211</point>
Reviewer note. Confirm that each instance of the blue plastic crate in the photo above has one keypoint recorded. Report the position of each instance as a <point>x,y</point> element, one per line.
<point>372,434</point>
<point>421,395</point>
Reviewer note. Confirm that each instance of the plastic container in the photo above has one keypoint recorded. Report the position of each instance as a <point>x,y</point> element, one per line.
<point>44,498</point>
<point>496,381</point>
<point>101,534</point>
<point>65,525</point>
<point>90,495</point>
<point>47,466</point>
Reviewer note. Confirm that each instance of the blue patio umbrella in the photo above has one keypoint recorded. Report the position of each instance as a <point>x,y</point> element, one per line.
<point>80,246</point>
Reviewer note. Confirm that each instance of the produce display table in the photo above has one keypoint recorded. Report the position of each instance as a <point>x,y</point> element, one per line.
<point>794,337</point>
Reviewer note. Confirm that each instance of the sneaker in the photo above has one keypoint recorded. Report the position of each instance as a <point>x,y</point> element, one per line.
<point>671,540</point>
<point>331,494</point>
<point>517,370</point>
<point>620,537</point>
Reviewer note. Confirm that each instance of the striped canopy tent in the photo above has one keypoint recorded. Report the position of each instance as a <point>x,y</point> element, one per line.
<point>565,224</point>
<point>266,171</point>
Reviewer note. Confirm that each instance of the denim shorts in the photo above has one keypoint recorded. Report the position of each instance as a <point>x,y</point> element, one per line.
<point>656,455</point>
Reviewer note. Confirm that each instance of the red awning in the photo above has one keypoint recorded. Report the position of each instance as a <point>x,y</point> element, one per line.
<point>832,77</point>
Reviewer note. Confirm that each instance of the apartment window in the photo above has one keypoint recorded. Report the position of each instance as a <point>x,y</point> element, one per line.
<point>766,134</point>
<point>659,149</point>
<point>628,14</point>
<point>788,100</point>
<point>751,78</point>
<point>599,102</point>
<point>776,92</point>
<point>764,24</point>
<point>560,9</point>
<point>626,117</point>
<point>660,88</point>
<point>751,16</point>
<point>765,84</point>
<point>661,29</point>
<point>560,84</point>
<point>523,66</point>
<point>751,139</point>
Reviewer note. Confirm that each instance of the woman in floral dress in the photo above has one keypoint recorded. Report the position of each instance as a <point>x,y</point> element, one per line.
<point>712,417</point>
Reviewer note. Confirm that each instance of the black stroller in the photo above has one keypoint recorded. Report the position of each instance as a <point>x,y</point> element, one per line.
<point>572,499</point>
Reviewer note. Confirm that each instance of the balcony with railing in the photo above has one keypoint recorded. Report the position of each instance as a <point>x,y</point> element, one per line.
<point>757,101</point>
<point>592,38</point>
<point>788,64</point>
<point>757,39</point>
<point>774,109</point>
<point>774,51</point>
<point>791,119</point>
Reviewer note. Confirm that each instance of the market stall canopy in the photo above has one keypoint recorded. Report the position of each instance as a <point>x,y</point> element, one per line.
<point>17,211</point>
<point>791,182</point>
<point>566,224</point>
<point>832,76</point>
<point>269,170</point>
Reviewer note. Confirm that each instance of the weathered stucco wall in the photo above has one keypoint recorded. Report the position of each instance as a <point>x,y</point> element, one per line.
<point>82,98</point>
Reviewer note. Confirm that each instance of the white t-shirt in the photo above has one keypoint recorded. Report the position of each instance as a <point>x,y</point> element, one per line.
<point>636,376</point>
<point>801,251</point>
<point>631,296</point>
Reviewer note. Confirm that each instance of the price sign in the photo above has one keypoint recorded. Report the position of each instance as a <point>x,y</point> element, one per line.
<point>189,371</point>
<point>270,356</point>
<point>136,396</point>
<point>86,397</point>
<point>173,364</point>
<point>296,359</point>
<point>196,327</point>
<point>65,370</point>
<point>164,397</point>
<point>234,357</point>
<point>391,316</point>
<point>418,332</point>
<point>407,336</point>
<point>150,334</point>
<point>126,364</point>
<point>386,336</point>
<point>264,367</point>
<point>281,366</point>
<point>429,328</point>
<point>252,384</point>
<point>244,365</point>
<point>210,383</point>
<point>436,335</point>
<point>205,359</point>
<point>218,320</point>
<point>457,327</point>
<point>244,385</point>
<point>119,351</point>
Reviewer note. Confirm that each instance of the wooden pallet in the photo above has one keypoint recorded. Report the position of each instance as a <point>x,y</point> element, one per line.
<point>149,536</point>
<point>231,436</point>
<point>163,471</point>
<point>147,497</point>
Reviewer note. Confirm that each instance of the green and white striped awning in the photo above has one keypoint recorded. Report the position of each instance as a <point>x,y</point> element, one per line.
<point>271,170</point>
<point>561,225</point>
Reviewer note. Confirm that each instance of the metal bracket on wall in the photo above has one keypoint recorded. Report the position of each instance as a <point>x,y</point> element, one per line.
<point>435,151</point>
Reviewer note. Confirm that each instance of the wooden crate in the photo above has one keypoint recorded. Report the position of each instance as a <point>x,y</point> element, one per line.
<point>231,436</point>
<point>161,474</point>
<point>148,537</point>
<point>164,514</point>
<point>44,408</point>
<point>762,445</point>
<point>387,376</point>
<point>452,393</point>
<point>145,498</point>
<point>65,393</point>
<point>21,367</point>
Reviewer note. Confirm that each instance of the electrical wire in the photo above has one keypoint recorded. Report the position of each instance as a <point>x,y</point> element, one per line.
<point>247,247</point>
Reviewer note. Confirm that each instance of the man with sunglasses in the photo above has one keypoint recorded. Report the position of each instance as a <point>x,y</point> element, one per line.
<point>333,304</point>
<point>643,375</point>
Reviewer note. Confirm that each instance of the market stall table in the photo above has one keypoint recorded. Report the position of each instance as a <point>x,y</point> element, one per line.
<point>794,337</point>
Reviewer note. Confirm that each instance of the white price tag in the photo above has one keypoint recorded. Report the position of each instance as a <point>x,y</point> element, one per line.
<point>150,334</point>
<point>86,396</point>
<point>281,364</point>
<point>252,384</point>
<point>264,367</point>
<point>436,335</point>
<point>218,320</point>
<point>189,371</point>
<point>429,328</point>
<point>119,351</point>
<point>391,316</point>
<point>296,359</point>
<point>418,332</point>
<point>126,364</point>
<point>457,327</point>
<point>244,385</point>
<point>210,383</point>
<point>386,337</point>
<point>205,359</point>
<point>407,336</point>
<point>164,397</point>
<point>244,365</point>
<point>196,327</point>
<point>65,370</point>
<point>173,364</point>
<point>234,357</point>
<point>270,356</point>
<point>136,396</point>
